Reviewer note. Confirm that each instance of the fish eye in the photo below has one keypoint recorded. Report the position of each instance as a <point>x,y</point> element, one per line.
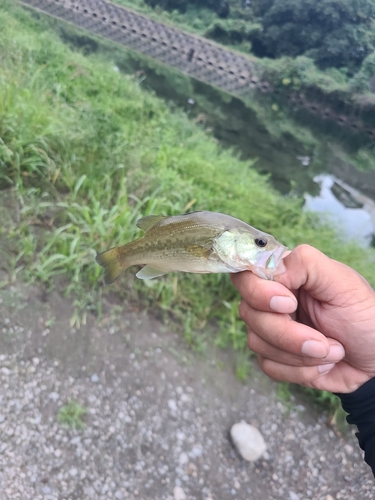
<point>261,242</point>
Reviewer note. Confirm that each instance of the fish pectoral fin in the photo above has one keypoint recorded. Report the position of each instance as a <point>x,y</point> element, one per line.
<point>199,251</point>
<point>148,273</point>
<point>150,221</point>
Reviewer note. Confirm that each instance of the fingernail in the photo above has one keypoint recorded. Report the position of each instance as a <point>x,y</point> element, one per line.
<point>314,349</point>
<point>283,304</point>
<point>336,352</point>
<point>325,368</point>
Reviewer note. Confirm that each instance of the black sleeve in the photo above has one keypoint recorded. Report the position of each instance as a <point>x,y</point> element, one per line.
<point>360,405</point>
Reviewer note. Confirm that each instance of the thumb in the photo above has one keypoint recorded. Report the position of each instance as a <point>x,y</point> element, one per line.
<point>323,277</point>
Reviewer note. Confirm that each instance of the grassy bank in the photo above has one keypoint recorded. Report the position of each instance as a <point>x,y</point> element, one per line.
<point>85,152</point>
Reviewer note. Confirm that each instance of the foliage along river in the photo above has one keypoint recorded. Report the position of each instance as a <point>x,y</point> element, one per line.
<point>311,158</point>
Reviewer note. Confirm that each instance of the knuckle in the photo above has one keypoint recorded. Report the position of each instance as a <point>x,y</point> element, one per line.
<point>307,382</point>
<point>306,252</point>
<point>305,376</point>
<point>261,363</point>
<point>242,310</point>
<point>267,367</point>
<point>253,284</point>
<point>284,337</point>
<point>251,340</point>
<point>304,248</point>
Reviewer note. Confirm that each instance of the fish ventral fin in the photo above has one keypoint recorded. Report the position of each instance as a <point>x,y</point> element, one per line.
<point>146,223</point>
<point>110,261</point>
<point>148,273</point>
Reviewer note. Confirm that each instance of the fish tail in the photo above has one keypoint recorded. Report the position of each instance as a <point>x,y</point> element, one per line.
<point>112,263</point>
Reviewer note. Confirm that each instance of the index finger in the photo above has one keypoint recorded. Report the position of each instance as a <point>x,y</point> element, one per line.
<point>263,295</point>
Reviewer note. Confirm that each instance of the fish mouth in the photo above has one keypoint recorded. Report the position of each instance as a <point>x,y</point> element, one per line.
<point>271,259</point>
<point>270,263</point>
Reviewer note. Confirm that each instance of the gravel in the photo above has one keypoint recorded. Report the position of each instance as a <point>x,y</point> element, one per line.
<point>158,416</point>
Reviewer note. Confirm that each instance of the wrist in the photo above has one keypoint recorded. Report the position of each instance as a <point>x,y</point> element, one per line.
<point>362,396</point>
<point>360,406</point>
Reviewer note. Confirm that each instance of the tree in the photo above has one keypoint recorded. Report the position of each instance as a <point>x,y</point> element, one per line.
<point>332,32</point>
<point>364,80</point>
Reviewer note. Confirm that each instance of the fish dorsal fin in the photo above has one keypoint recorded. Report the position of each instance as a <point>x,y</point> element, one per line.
<point>150,221</point>
<point>148,273</point>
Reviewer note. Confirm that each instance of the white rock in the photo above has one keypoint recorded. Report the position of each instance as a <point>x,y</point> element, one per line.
<point>293,496</point>
<point>183,458</point>
<point>172,405</point>
<point>248,441</point>
<point>73,472</point>
<point>196,451</point>
<point>178,493</point>
<point>54,396</point>
<point>349,449</point>
<point>180,436</point>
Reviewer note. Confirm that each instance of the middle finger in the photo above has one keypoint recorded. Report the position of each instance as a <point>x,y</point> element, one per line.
<point>282,332</point>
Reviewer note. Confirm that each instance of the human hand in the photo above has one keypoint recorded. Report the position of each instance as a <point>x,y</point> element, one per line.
<point>314,325</point>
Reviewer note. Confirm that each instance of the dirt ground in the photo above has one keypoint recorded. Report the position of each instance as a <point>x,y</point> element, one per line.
<point>158,415</point>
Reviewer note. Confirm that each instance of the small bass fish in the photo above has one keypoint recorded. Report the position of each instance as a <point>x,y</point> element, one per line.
<point>197,242</point>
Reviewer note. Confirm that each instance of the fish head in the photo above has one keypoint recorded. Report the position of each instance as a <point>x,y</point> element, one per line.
<point>251,250</point>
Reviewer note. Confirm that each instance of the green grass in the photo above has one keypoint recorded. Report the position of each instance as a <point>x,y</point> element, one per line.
<point>71,415</point>
<point>85,152</point>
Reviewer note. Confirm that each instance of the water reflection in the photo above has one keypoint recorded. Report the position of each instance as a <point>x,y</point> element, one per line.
<point>350,209</point>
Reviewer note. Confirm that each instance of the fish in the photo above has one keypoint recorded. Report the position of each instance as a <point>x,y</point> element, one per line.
<point>195,242</point>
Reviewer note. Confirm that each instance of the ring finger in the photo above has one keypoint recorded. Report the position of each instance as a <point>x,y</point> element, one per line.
<point>267,350</point>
